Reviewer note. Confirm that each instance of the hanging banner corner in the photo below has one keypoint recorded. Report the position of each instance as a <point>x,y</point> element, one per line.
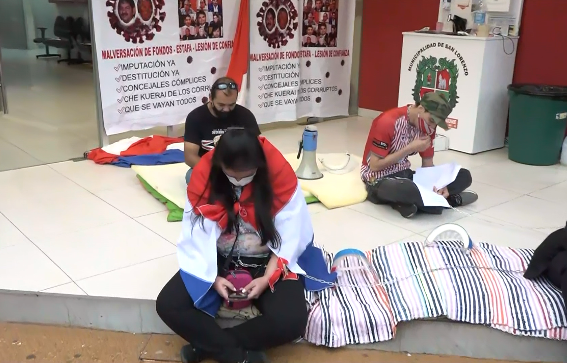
<point>300,58</point>
<point>158,58</point>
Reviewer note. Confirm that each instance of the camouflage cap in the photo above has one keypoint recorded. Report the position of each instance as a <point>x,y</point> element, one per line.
<point>438,106</point>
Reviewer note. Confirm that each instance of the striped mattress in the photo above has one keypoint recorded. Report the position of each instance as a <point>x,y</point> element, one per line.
<point>408,281</point>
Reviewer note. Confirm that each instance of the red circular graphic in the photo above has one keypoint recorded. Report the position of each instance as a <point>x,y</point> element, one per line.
<point>136,20</point>
<point>308,63</point>
<point>278,21</point>
<point>213,70</point>
<point>189,59</point>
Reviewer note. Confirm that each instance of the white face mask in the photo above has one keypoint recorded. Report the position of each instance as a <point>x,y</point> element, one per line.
<point>242,182</point>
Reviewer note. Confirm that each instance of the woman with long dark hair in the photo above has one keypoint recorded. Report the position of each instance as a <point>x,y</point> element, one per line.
<point>246,238</point>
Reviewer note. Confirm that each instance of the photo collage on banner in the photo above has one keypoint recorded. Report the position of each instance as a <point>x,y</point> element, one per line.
<point>300,58</point>
<point>320,22</point>
<point>158,58</point>
<point>199,19</point>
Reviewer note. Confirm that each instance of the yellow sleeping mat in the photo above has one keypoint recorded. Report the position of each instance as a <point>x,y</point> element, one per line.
<point>339,188</point>
<point>333,190</point>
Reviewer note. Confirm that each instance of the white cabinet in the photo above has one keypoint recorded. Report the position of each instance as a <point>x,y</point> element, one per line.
<point>500,6</point>
<point>473,73</point>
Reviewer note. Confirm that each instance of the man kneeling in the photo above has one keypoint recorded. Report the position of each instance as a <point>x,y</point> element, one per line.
<point>397,134</point>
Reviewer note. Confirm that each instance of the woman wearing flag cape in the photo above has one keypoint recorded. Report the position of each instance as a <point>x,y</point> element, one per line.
<point>244,213</point>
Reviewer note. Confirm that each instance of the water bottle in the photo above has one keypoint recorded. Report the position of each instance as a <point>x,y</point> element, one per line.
<point>564,153</point>
<point>479,18</point>
<point>480,13</point>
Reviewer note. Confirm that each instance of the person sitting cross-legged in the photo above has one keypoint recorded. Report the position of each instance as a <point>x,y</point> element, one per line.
<point>209,121</point>
<point>397,134</point>
<point>245,215</point>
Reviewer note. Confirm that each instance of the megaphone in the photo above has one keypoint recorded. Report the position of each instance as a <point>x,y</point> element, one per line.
<point>308,169</point>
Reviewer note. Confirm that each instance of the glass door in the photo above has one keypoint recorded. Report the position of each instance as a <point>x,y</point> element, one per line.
<point>47,97</point>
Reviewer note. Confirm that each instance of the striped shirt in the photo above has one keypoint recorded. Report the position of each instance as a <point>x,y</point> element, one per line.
<point>390,132</point>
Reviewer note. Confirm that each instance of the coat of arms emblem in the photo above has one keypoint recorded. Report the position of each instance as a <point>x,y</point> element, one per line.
<point>439,76</point>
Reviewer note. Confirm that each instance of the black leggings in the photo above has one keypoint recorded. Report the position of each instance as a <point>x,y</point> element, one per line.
<point>399,188</point>
<point>283,320</point>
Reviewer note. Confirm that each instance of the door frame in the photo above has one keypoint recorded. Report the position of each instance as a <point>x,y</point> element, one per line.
<point>3,99</point>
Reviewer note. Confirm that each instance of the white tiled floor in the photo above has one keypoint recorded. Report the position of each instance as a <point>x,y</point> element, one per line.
<point>80,228</point>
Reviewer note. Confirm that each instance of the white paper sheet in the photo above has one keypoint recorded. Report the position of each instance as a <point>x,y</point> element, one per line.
<point>438,177</point>
<point>432,199</point>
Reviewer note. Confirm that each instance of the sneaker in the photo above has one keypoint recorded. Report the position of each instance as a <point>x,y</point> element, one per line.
<point>460,200</point>
<point>406,210</point>
<point>189,354</point>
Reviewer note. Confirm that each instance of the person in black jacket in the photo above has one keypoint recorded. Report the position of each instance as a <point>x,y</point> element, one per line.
<point>550,260</point>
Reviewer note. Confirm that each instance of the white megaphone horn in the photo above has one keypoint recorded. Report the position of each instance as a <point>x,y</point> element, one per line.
<point>308,168</point>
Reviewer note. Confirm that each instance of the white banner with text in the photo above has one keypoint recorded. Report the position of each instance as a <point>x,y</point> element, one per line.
<point>300,58</point>
<point>158,58</point>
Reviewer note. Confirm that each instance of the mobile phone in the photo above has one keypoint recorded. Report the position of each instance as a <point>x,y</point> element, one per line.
<point>239,295</point>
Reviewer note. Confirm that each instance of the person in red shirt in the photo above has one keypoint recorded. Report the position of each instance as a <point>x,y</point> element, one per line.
<point>397,134</point>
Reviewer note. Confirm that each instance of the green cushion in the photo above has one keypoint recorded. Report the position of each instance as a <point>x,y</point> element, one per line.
<point>175,212</point>
<point>311,199</point>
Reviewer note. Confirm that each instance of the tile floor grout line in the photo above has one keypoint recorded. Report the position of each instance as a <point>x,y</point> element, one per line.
<point>122,268</point>
<point>543,200</point>
<point>492,186</point>
<point>517,192</point>
<point>76,281</point>
<point>36,246</point>
<point>405,229</point>
<point>533,196</point>
<point>104,201</point>
<point>551,186</point>
<point>383,221</point>
<point>504,223</point>
<point>88,191</point>
<point>511,200</point>
<point>157,234</point>
<point>154,232</point>
<point>151,214</point>
<point>496,186</point>
<point>494,206</point>
<point>498,222</point>
<point>22,150</point>
<point>56,286</point>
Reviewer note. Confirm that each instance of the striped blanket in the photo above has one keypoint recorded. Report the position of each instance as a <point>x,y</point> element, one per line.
<point>408,282</point>
<point>354,312</point>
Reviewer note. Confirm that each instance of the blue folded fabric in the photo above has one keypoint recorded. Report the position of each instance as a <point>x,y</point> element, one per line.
<point>167,157</point>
